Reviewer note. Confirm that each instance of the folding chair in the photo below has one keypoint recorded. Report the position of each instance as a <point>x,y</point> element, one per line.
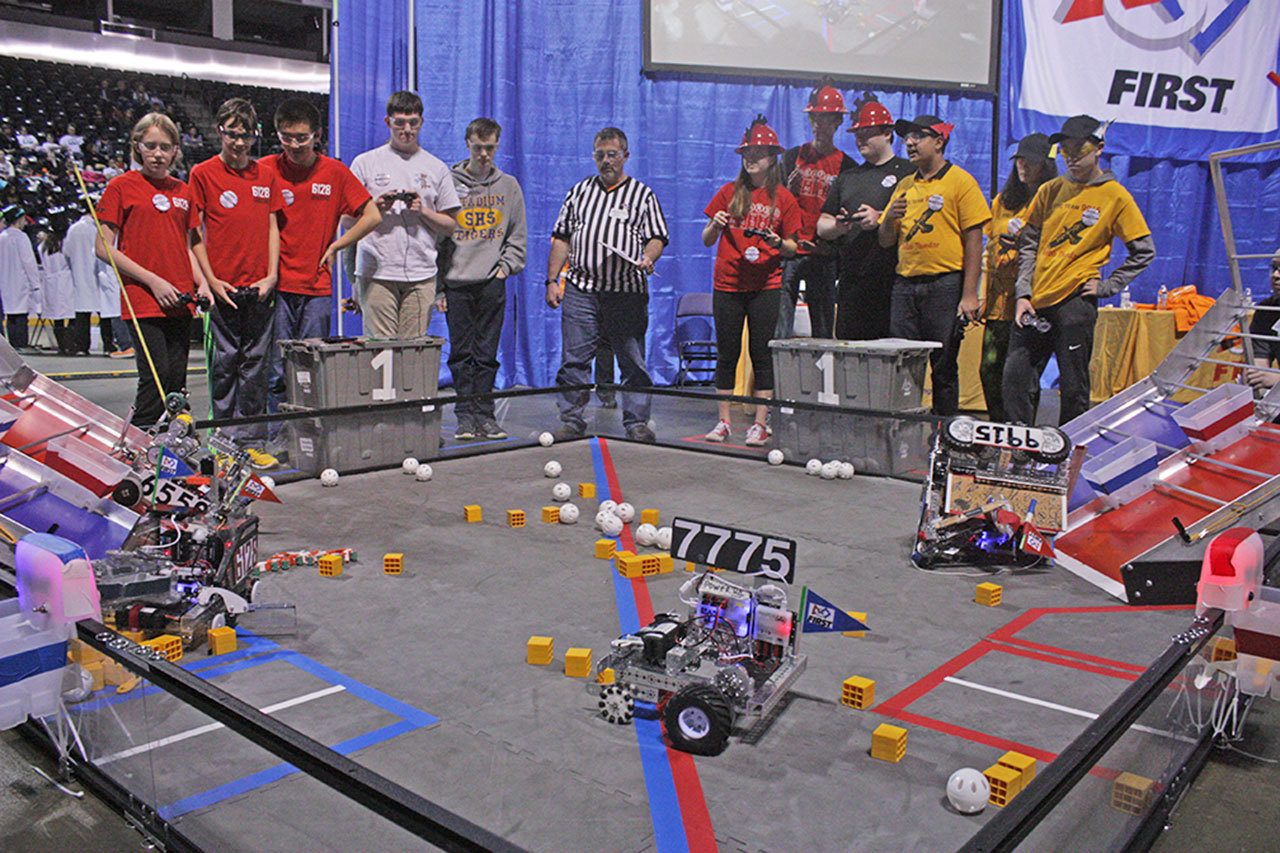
<point>695,338</point>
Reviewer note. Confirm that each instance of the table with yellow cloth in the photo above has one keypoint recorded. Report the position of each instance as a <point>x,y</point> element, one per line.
<point>1128,343</point>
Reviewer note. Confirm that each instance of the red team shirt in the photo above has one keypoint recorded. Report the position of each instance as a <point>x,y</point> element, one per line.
<point>153,218</point>
<point>745,264</point>
<point>315,200</point>
<point>236,206</point>
<point>809,182</point>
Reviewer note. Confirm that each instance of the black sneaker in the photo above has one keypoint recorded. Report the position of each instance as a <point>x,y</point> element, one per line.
<point>489,429</point>
<point>641,432</point>
<point>568,432</point>
<point>466,431</point>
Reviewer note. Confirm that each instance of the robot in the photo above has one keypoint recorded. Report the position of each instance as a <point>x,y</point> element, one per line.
<point>731,656</point>
<point>988,488</point>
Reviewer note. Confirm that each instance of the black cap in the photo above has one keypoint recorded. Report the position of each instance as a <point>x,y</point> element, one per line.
<point>1033,146</point>
<point>1078,127</point>
<point>924,124</point>
<point>12,213</point>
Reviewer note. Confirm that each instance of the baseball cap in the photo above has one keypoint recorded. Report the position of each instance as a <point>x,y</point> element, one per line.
<point>1079,127</point>
<point>13,213</point>
<point>924,124</point>
<point>1033,146</point>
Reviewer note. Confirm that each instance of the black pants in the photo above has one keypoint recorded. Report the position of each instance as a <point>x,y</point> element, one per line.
<point>238,377</point>
<point>864,307</point>
<point>78,338</point>
<point>168,341</point>
<point>117,334</point>
<point>760,309</point>
<point>924,309</point>
<point>819,275</point>
<point>16,330</point>
<point>1070,338</point>
<point>475,327</point>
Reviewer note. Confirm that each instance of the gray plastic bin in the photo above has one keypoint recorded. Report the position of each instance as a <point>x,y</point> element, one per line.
<point>886,374</point>
<point>322,375</point>
<point>378,438</point>
<point>875,444</point>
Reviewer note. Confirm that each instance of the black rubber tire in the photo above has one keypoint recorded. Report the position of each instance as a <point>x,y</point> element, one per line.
<point>1060,455</point>
<point>127,493</point>
<point>708,702</point>
<point>949,440</point>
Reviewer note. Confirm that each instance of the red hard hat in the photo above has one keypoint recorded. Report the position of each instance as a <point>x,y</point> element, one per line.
<point>760,134</point>
<point>826,100</point>
<point>872,114</point>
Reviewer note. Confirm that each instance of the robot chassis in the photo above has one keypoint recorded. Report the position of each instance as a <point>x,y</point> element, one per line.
<point>730,658</point>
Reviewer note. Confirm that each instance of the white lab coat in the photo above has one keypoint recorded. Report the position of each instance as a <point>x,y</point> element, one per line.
<point>19,273</point>
<point>85,266</point>
<point>56,296</point>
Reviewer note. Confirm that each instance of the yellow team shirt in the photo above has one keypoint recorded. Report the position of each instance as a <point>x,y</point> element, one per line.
<point>1078,223</point>
<point>938,210</point>
<point>999,263</point>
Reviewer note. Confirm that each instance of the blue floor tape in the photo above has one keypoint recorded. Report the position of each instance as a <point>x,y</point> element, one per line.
<point>664,806</point>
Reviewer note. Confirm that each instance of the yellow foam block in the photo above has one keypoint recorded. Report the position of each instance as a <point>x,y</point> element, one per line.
<point>1024,764</point>
<point>550,515</point>
<point>1005,784</point>
<point>605,549</point>
<point>540,650</point>
<point>515,518</point>
<point>222,640</point>
<point>858,692</point>
<point>577,663</point>
<point>649,516</point>
<point>989,594</point>
<point>586,490</point>
<point>473,513</point>
<point>606,676</point>
<point>889,743</point>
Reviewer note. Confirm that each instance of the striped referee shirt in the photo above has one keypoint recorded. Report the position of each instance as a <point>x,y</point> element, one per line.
<point>607,231</point>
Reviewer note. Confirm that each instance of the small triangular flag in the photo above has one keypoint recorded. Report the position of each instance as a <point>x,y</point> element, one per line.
<point>171,465</point>
<point>1035,542</point>
<point>258,490</point>
<point>821,616</point>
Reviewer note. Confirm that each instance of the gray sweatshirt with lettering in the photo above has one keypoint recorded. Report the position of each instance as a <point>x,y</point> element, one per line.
<point>492,233</point>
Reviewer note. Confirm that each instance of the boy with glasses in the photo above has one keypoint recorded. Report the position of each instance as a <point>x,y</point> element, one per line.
<point>238,202</point>
<point>1062,249</point>
<point>319,193</point>
<point>396,262</point>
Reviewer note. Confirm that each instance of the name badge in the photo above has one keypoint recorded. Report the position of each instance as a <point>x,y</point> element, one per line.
<point>620,213</point>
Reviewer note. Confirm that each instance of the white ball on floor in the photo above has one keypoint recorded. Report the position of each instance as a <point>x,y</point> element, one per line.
<point>328,477</point>
<point>267,481</point>
<point>600,517</point>
<point>625,511</point>
<point>409,466</point>
<point>846,470</point>
<point>611,525</point>
<point>775,457</point>
<point>607,506</point>
<point>646,535</point>
<point>663,539</point>
<point>561,491</point>
<point>551,469</point>
<point>829,470</point>
<point>423,473</point>
<point>569,514</point>
<point>813,467</point>
<point>968,790</point>
<point>546,439</point>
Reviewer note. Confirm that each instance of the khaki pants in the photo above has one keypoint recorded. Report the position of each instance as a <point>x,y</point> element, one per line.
<point>396,309</point>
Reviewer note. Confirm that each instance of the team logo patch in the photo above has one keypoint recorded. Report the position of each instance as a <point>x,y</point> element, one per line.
<point>889,181</point>
<point>752,254</point>
<point>321,190</point>
<point>161,202</point>
<point>936,202</point>
<point>228,199</point>
<point>381,180</point>
<point>479,218</point>
<point>1090,216</point>
<point>288,197</point>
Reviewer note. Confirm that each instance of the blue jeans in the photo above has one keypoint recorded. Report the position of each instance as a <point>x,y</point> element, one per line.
<point>587,320</point>
<point>475,330</point>
<point>923,308</point>
<point>297,317</point>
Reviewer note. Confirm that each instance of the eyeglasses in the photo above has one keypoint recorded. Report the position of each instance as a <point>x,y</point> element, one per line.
<point>1074,149</point>
<point>410,123</point>
<point>165,147</point>
<point>917,135</point>
<point>238,136</point>
<point>296,138</point>
<point>601,156</point>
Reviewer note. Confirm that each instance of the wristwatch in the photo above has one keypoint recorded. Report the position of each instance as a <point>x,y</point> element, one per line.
<point>552,281</point>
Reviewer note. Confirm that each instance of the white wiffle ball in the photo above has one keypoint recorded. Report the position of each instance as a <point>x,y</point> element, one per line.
<point>569,514</point>
<point>551,469</point>
<point>409,466</point>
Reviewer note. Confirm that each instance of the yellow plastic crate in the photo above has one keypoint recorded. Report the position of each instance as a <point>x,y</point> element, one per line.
<point>858,692</point>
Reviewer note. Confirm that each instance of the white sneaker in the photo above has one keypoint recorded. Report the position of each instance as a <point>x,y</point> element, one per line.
<point>757,435</point>
<point>720,432</point>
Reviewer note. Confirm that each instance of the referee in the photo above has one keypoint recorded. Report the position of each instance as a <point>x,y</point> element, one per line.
<point>611,232</point>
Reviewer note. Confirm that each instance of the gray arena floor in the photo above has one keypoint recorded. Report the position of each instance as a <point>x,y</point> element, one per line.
<point>422,677</point>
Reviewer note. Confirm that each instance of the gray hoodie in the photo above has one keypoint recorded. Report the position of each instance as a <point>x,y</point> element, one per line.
<point>492,232</point>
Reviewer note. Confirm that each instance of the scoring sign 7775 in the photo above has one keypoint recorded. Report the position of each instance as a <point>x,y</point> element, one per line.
<point>736,550</point>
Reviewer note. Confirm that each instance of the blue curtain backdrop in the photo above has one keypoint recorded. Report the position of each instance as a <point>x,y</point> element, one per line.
<point>555,71</point>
